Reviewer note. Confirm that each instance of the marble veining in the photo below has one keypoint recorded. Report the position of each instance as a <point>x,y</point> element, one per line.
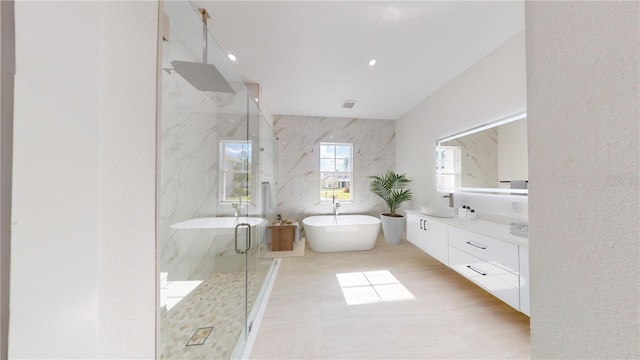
<point>479,158</point>
<point>298,170</point>
<point>193,124</point>
<point>189,155</point>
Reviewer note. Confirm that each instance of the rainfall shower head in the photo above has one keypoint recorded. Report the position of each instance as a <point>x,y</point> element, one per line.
<point>203,76</point>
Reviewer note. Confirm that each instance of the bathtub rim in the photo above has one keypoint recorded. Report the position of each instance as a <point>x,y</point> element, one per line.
<point>326,237</point>
<point>374,220</point>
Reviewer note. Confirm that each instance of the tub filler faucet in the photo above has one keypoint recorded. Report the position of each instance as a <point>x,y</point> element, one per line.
<point>336,205</point>
<point>236,206</point>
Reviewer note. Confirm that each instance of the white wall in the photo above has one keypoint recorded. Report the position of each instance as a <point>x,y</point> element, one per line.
<point>54,272</point>
<point>491,89</point>
<point>513,151</point>
<point>583,86</point>
<point>83,247</point>
<point>127,276</point>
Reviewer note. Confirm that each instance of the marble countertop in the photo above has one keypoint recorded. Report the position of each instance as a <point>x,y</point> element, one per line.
<point>491,229</point>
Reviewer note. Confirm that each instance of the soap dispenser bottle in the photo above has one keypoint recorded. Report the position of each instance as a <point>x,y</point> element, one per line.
<point>462,212</point>
<point>472,215</point>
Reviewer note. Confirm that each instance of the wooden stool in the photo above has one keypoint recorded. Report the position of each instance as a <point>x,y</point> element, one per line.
<point>282,237</point>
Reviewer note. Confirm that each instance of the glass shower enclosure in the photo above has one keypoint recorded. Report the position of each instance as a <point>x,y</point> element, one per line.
<point>216,179</point>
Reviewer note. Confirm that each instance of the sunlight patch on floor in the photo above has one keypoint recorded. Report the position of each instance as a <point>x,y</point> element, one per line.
<point>171,292</point>
<point>370,287</point>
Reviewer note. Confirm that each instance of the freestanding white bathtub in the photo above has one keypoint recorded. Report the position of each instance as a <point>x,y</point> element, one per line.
<point>328,233</point>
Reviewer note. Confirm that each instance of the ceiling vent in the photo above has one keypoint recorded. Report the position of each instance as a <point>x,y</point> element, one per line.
<point>348,104</point>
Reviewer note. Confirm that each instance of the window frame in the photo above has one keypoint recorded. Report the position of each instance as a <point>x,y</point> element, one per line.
<point>454,176</point>
<point>222,198</point>
<point>349,173</point>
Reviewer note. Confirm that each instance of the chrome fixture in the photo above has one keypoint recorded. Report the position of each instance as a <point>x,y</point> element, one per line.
<point>203,76</point>
<point>336,205</point>
<point>247,228</point>
<point>238,206</point>
<point>450,196</point>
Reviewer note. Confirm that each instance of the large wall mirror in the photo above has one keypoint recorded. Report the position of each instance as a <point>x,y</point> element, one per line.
<point>489,159</point>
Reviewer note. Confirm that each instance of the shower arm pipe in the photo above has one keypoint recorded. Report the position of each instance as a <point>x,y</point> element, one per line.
<point>205,43</point>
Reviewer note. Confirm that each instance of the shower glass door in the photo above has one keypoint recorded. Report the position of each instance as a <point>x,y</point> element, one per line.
<point>262,206</point>
<point>214,178</point>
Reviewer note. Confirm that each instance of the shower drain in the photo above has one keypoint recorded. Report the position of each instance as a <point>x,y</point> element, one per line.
<point>200,336</point>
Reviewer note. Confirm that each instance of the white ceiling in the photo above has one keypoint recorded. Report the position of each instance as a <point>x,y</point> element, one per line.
<point>310,56</point>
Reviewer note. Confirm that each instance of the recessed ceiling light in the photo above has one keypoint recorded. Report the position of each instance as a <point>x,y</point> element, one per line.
<point>257,100</point>
<point>232,57</point>
<point>372,62</point>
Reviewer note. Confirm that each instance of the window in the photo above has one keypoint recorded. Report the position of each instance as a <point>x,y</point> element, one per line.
<point>448,167</point>
<point>336,171</point>
<point>235,168</point>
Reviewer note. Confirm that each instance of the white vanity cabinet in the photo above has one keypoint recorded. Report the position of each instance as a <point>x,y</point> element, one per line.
<point>484,252</point>
<point>429,236</point>
<point>493,251</point>
<point>491,264</point>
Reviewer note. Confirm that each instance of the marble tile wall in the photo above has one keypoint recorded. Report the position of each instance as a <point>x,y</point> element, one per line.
<point>193,123</point>
<point>299,140</point>
<point>192,126</point>
<point>268,176</point>
<point>479,159</point>
<point>188,170</point>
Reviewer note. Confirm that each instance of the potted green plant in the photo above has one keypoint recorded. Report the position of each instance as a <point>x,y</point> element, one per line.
<point>391,187</point>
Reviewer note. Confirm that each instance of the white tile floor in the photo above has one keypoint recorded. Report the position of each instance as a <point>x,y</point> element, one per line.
<point>438,315</point>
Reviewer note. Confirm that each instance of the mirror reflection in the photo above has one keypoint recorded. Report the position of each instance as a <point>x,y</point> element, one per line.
<point>491,158</point>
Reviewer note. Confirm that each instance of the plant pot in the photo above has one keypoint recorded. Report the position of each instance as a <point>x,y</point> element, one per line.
<point>392,228</point>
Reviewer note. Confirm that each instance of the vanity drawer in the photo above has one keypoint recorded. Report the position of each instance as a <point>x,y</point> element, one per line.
<point>496,252</point>
<point>497,281</point>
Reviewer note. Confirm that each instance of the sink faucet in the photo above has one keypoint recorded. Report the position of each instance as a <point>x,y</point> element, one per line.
<point>450,196</point>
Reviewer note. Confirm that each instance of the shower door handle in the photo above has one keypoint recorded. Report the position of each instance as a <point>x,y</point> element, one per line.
<point>243,251</point>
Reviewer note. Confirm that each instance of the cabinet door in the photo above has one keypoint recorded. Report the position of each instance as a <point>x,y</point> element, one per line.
<point>496,280</point>
<point>436,240</point>
<point>494,251</point>
<point>415,233</point>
